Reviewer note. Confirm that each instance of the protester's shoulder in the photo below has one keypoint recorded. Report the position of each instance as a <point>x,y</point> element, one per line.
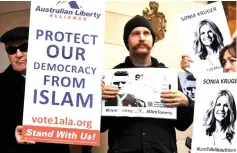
<point>1,76</point>
<point>1,80</point>
<point>156,63</point>
<point>121,65</point>
<point>161,65</point>
<point>8,74</point>
<point>6,71</point>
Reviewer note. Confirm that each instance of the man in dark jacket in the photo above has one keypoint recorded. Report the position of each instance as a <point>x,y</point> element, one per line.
<point>12,87</point>
<point>145,135</point>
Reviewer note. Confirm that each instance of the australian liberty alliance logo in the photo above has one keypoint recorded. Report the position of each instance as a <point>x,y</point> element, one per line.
<point>74,12</point>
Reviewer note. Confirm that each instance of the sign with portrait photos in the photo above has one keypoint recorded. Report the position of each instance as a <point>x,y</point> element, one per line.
<point>204,32</point>
<point>215,125</point>
<point>139,92</point>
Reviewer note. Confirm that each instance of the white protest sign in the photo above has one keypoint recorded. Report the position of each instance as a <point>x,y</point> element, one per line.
<point>214,126</point>
<point>204,32</point>
<point>64,70</point>
<point>139,92</point>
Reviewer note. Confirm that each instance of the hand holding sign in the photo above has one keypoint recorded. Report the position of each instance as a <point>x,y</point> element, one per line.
<point>174,98</point>
<point>18,135</point>
<point>108,91</point>
<point>184,64</point>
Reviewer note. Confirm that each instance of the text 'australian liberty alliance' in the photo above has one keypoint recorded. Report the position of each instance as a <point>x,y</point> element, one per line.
<point>62,11</point>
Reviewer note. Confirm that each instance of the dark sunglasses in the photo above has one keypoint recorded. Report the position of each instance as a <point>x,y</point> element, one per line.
<point>13,49</point>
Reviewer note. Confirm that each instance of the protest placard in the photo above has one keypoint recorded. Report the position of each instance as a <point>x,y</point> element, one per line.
<point>64,70</point>
<point>139,92</point>
<point>214,126</point>
<point>204,32</point>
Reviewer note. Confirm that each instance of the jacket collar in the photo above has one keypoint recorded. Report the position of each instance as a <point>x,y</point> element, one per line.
<point>128,62</point>
<point>11,73</point>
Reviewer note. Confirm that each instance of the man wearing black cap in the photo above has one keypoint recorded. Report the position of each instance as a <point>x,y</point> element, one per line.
<point>145,135</point>
<point>12,87</point>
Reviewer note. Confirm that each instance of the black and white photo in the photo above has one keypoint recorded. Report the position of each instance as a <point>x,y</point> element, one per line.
<point>188,84</point>
<point>204,32</point>
<point>214,125</point>
<point>219,120</point>
<point>120,79</point>
<point>208,41</point>
<point>139,92</point>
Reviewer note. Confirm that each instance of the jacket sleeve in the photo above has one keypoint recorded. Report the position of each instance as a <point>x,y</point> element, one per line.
<point>86,149</point>
<point>184,114</point>
<point>104,124</point>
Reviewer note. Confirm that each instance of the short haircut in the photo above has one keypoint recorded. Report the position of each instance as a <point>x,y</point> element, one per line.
<point>190,78</point>
<point>121,73</point>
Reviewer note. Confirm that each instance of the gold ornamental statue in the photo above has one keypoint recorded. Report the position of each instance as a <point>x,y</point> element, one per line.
<point>157,19</point>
